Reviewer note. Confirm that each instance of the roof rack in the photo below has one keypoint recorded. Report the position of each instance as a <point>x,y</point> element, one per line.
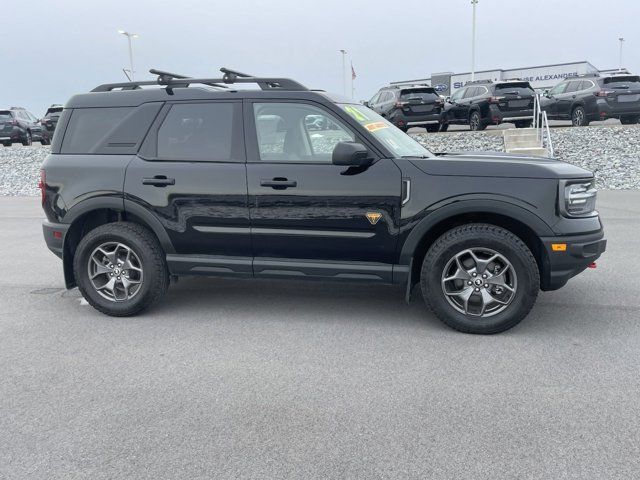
<point>230,77</point>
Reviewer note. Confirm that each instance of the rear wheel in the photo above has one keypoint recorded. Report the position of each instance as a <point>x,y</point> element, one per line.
<point>444,126</point>
<point>480,278</point>
<point>45,141</point>
<point>628,120</point>
<point>7,144</point>
<point>475,121</point>
<point>120,269</point>
<point>432,128</point>
<point>579,117</point>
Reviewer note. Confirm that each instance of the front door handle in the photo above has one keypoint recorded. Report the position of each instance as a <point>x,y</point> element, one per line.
<point>159,181</point>
<point>278,183</point>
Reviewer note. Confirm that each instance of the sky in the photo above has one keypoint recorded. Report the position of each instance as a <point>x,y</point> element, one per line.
<point>53,49</point>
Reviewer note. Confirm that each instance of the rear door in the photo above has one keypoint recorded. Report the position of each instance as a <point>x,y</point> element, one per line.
<point>626,93</point>
<point>419,101</point>
<point>308,216</point>
<point>191,175</point>
<point>518,98</point>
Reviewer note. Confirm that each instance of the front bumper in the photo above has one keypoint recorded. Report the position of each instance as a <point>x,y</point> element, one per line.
<point>561,265</point>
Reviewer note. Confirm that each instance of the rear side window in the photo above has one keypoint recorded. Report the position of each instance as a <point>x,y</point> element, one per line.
<point>573,86</point>
<point>198,132</point>
<point>422,94</point>
<point>5,116</point>
<point>88,127</point>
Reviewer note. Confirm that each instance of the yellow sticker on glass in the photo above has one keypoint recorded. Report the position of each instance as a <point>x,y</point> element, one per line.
<point>372,127</point>
<point>355,113</point>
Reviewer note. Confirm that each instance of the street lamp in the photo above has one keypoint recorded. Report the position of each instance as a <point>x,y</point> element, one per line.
<point>129,37</point>
<point>344,73</point>
<point>473,41</point>
<point>621,40</point>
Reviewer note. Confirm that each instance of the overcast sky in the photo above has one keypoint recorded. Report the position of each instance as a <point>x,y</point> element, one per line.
<point>52,49</point>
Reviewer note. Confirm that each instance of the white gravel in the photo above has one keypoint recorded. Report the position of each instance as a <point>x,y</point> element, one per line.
<point>612,151</point>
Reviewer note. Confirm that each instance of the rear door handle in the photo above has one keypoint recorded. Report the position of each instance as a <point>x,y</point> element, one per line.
<point>278,183</point>
<point>159,181</point>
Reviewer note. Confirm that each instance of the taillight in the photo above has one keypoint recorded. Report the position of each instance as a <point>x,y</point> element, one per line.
<point>14,122</point>
<point>495,99</point>
<point>400,104</point>
<point>603,93</point>
<point>42,185</point>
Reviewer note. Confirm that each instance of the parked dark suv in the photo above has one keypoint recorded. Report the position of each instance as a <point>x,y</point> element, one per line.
<point>406,107</point>
<point>590,97</point>
<point>19,126</point>
<point>50,119</point>
<point>193,178</point>
<point>482,103</point>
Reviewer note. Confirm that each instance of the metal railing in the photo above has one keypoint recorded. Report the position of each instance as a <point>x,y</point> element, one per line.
<point>541,124</point>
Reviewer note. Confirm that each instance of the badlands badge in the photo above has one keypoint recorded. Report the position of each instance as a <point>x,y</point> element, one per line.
<point>373,217</point>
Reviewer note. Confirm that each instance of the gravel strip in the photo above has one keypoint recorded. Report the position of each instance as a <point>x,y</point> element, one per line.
<point>613,152</point>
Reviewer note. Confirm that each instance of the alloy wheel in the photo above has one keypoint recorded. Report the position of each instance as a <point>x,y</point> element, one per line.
<point>578,117</point>
<point>115,271</point>
<point>479,282</point>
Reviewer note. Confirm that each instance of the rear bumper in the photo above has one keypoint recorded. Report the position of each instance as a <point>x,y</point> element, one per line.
<point>581,251</point>
<point>607,110</point>
<point>498,116</point>
<point>401,120</point>
<point>54,234</point>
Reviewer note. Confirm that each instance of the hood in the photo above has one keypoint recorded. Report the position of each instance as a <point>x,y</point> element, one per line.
<point>499,164</point>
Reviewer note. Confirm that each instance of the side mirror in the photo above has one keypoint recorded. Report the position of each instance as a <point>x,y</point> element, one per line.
<point>546,93</point>
<point>365,103</point>
<point>351,154</point>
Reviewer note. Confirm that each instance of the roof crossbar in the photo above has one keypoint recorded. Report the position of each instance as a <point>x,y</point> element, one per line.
<point>230,77</point>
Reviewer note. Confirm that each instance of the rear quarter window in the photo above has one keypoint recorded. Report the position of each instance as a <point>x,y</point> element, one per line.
<point>89,127</point>
<point>5,116</point>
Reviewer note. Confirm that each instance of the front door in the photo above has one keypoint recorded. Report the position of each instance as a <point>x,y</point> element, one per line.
<point>191,175</point>
<point>308,216</point>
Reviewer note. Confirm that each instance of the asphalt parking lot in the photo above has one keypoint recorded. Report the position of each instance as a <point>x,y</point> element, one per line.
<point>273,379</point>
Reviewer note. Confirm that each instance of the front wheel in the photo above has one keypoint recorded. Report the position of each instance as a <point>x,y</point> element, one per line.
<point>433,127</point>
<point>475,121</point>
<point>28,139</point>
<point>524,124</point>
<point>579,117</point>
<point>120,269</point>
<point>480,278</point>
<point>629,120</point>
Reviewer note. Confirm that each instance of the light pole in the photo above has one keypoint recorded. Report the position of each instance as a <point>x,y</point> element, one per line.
<point>473,41</point>
<point>621,39</point>
<point>344,73</point>
<point>129,37</point>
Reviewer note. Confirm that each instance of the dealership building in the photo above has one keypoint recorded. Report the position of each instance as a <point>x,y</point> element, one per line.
<point>541,77</point>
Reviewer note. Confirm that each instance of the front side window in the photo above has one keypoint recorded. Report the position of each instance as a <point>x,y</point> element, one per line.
<point>457,96</point>
<point>197,132</point>
<point>558,89</point>
<point>297,132</point>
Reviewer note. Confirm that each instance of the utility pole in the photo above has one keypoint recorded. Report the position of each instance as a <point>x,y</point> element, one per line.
<point>621,39</point>
<point>344,73</point>
<point>473,41</point>
<point>129,37</point>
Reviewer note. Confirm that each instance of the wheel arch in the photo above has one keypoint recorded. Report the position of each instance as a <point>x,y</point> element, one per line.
<point>521,222</point>
<point>95,212</point>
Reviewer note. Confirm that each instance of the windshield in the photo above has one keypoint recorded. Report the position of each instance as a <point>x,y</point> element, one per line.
<point>396,141</point>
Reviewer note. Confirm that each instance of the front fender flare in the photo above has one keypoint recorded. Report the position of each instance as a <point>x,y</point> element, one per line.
<point>462,206</point>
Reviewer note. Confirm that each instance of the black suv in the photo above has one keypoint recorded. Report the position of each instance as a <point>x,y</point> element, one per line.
<point>406,107</point>
<point>197,178</point>
<point>590,97</point>
<point>19,126</point>
<point>50,119</point>
<point>483,102</point>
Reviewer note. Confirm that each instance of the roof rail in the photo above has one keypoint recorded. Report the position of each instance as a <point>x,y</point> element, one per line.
<point>475,82</point>
<point>230,77</point>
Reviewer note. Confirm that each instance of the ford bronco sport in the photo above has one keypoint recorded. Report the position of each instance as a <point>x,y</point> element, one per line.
<point>196,177</point>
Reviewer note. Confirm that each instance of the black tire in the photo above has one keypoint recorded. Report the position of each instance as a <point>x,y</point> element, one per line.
<point>444,126</point>
<point>28,139</point>
<point>433,128</point>
<point>475,121</point>
<point>579,117</point>
<point>524,124</point>
<point>479,236</point>
<point>45,141</point>
<point>145,245</point>
<point>7,144</point>
<point>629,120</point>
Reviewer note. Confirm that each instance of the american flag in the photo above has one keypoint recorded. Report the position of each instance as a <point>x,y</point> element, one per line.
<point>353,73</point>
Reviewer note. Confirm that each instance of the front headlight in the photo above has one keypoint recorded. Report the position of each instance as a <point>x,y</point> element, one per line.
<point>578,198</point>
